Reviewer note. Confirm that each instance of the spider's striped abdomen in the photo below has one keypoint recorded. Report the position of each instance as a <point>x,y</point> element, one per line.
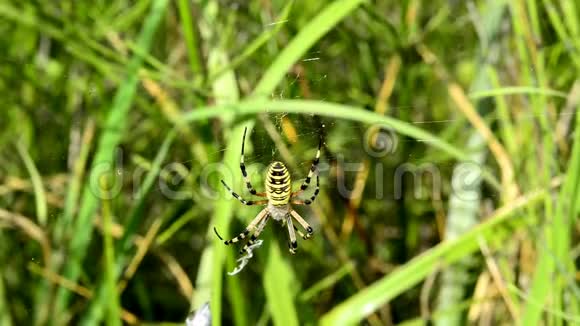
<point>278,184</point>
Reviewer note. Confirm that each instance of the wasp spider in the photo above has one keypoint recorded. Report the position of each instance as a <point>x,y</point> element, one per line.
<point>278,203</point>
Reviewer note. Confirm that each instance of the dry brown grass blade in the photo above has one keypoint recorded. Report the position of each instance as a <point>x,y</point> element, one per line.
<point>84,292</point>
<point>60,280</point>
<point>391,73</point>
<point>355,199</point>
<point>56,182</point>
<point>496,148</point>
<point>466,107</point>
<point>499,281</point>
<point>185,286</point>
<point>563,126</point>
<point>144,244</point>
<point>29,228</point>
<point>480,292</point>
<point>426,294</point>
<point>142,249</point>
<point>289,130</point>
<point>381,106</point>
<point>171,110</point>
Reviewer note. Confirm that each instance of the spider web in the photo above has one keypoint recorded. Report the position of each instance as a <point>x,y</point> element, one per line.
<point>275,130</point>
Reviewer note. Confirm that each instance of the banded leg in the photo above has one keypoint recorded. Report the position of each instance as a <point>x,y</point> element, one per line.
<point>302,235</point>
<point>255,236</point>
<point>242,200</point>
<point>311,172</point>
<point>304,224</point>
<point>293,243</point>
<point>245,173</point>
<point>311,200</point>
<point>249,228</point>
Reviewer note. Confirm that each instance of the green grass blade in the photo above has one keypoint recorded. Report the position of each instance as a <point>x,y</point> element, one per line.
<point>365,302</point>
<point>236,293</point>
<point>281,303</point>
<point>557,250</point>
<point>75,184</point>
<point>507,127</point>
<point>137,212</point>
<point>516,90</point>
<point>280,286</point>
<point>539,288</point>
<point>333,110</point>
<point>190,36</point>
<point>210,274</point>
<point>135,216</point>
<point>297,47</point>
<point>572,319</point>
<point>174,227</point>
<point>73,69</point>
<point>5,318</point>
<point>559,26</point>
<point>129,17</point>
<point>256,44</point>
<point>209,283</point>
<point>108,142</point>
<point>571,17</point>
<point>308,35</point>
<point>74,47</point>
<point>326,282</point>
<point>113,305</point>
<point>39,193</point>
<point>465,201</point>
<point>221,220</point>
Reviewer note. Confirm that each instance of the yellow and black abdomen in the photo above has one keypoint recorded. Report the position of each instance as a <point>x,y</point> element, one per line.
<point>278,184</point>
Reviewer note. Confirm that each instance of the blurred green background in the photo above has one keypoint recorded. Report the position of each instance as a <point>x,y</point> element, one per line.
<point>450,169</point>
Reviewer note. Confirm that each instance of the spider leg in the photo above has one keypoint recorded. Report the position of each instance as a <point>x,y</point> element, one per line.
<point>250,227</point>
<point>311,200</point>
<point>311,172</point>
<point>242,200</point>
<point>304,224</point>
<point>245,173</point>
<point>293,243</point>
<point>302,235</point>
<point>254,236</point>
